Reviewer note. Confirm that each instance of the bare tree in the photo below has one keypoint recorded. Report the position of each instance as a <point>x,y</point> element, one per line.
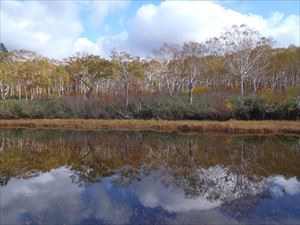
<point>125,67</point>
<point>153,72</point>
<point>192,67</point>
<point>262,67</point>
<point>168,55</point>
<point>243,51</point>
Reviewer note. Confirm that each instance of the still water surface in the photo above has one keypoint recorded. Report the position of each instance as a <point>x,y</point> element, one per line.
<point>64,177</point>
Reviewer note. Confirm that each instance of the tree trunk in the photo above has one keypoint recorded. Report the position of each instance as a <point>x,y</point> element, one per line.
<point>255,86</point>
<point>191,88</point>
<point>190,93</point>
<point>242,87</point>
<point>169,87</point>
<point>126,94</point>
<point>89,93</point>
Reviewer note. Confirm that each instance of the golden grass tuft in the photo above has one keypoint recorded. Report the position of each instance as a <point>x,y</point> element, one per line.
<point>185,126</point>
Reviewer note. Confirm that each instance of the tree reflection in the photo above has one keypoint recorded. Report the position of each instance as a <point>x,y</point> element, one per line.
<point>128,173</point>
<point>4,178</point>
<point>229,169</point>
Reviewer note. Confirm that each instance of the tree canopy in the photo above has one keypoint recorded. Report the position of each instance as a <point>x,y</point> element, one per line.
<point>240,58</point>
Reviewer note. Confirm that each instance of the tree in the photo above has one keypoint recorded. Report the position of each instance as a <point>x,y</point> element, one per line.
<point>3,52</point>
<point>6,78</point>
<point>243,50</point>
<point>285,67</point>
<point>192,65</point>
<point>126,66</point>
<point>153,71</point>
<point>167,55</point>
<point>215,73</point>
<point>59,79</point>
<point>3,48</point>
<point>88,69</point>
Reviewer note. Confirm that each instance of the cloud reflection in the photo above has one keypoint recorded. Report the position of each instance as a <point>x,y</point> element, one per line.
<point>52,197</point>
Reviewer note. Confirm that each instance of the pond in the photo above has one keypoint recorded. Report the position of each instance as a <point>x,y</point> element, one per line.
<point>69,177</point>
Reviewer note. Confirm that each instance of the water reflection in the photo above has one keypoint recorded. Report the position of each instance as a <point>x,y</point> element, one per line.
<point>60,177</point>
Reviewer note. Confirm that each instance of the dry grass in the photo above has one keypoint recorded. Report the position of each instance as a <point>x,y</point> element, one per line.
<point>228,127</point>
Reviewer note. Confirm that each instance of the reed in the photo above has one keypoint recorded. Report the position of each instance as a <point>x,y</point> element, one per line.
<point>184,126</point>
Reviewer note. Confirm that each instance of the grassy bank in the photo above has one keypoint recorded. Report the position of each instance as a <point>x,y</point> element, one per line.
<point>219,105</point>
<point>226,127</point>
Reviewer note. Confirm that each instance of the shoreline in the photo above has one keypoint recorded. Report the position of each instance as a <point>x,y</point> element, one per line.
<point>181,126</point>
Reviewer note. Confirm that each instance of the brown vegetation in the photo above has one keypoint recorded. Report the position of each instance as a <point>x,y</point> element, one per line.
<point>228,127</point>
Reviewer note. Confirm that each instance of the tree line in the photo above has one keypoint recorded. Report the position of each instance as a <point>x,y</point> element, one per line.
<point>239,59</point>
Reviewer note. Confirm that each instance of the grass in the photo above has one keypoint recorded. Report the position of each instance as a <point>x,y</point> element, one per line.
<point>184,126</point>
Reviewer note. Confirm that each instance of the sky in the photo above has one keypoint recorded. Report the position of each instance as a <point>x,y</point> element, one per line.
<point>58,29</point>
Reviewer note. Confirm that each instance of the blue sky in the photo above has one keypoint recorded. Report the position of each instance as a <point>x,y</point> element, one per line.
<point>58,29</point>
<point>113,19</point>
<point>259,7</point>
<point>264,8</point>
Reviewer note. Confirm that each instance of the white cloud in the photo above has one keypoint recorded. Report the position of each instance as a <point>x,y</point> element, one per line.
<point>54,197</point>
<point>85,45</point>
<point>156,195</point>
<point>179,21</point>
<point>198,20</point>
<point>286,31</point>
<point>173,199</point>
<point>52,28</point>
<point>108,208</point>
<point>285,185</point>
<point>28,25</point>
<point>98,10</point>
<point>41,195</point>
<point>55,29</point>
<point>109,42</point>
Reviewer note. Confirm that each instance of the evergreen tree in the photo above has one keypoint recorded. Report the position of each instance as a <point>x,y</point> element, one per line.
<point>3,48</point>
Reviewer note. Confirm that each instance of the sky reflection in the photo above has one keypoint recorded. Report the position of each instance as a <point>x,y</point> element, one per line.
<point>63,177</point>
<point>52,197</point>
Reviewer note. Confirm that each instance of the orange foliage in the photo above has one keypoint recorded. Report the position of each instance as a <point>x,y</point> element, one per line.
<point>265,91</point>
<point>200,90</point>
<point>229,106</point>
<point>271,97</point>
<point>236,90</point>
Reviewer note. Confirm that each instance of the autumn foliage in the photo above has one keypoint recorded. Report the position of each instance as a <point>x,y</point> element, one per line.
<point>223,78</point>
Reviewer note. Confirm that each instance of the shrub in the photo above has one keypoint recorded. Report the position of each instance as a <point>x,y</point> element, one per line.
<point>221,105</point>
<point>14,109</point>
<point>291,108</point>
<point>172,107</point>
<point>248,107</point>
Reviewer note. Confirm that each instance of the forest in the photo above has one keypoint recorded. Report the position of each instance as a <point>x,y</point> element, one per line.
<point>238,75</point>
